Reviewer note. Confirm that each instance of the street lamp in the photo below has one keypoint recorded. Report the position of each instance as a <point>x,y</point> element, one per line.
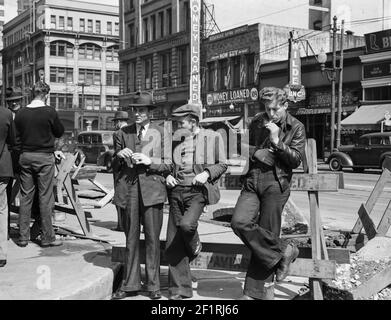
<point>82,85</point>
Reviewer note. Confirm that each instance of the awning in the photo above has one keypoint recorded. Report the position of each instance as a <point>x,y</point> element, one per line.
<point>219,119</point>
<point>312,111</point>
<point>367,117</point>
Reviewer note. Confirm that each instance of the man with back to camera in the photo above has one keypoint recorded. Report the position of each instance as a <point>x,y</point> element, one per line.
<point>193,184</point>
<point>37,126</point>
<point>277,146</point>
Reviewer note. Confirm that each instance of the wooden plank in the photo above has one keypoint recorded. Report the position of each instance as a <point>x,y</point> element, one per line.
<point>370,204</point>
<point>315,182</point>
<point>69,210</point>
<point>83,159</point>
<point>100,186</point>
<point>321,269</point>
<point>85,174</point>
<point>387,163</point>
<point>373,285</point>
<point>103,202</point>
<point>385,222</point>
<point>369,226</point>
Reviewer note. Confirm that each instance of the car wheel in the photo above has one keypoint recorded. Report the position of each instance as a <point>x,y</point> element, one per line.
<point>358,170</point>
<point>335,164</point>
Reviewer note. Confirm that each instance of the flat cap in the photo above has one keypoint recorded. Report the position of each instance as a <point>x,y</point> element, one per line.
<point>271,93</point>
<point>187,110</point>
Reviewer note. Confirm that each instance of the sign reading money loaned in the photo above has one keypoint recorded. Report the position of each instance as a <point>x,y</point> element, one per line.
<point>232,96</point>
<point>195,79</point>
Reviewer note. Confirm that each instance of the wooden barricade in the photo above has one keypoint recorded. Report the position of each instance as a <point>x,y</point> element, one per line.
<point>356,240</point>
<point>315,263</point>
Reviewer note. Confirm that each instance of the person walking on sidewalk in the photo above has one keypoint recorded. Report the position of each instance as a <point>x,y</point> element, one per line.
<point>7,139</point>
<point>199,162</point>
<point>37,126</point>
<point>277,146</point>
<point>120,121</point>
<point>141,193</point>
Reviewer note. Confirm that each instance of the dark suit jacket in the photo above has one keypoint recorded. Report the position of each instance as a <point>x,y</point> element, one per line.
<point>209,156</point>
<point>152,178</point>
<point>7,139</point>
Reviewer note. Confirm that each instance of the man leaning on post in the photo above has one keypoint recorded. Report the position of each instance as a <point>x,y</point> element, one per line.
<point>277,146</point>
<point>37,126</point>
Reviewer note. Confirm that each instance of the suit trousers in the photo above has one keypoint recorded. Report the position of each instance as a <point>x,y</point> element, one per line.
<point>37,168</point>
<point>153,220</point>
<point>257,222</point>
<point>186,207</point>
<point>3,218</point>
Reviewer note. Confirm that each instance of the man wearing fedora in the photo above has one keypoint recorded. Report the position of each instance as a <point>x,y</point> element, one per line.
<point>199,162</point>
<point>141,193</point>
<point>120,120</point>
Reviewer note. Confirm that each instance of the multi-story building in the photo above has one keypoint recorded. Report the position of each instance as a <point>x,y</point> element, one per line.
<point>74,48</point>
<point>155,53</point>
<point>23,5</point>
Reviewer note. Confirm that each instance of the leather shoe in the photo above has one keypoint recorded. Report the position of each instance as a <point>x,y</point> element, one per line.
<point>55,243</point>
<point>22,243</point>
<point>290,255</point>
<point>175,297</point>
<point>3,263</point>
<point>155,295</point>
<point>120,294</point>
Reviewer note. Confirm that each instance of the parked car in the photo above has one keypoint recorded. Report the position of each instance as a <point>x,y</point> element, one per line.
<point>369,152</point>
<point>97,147</point>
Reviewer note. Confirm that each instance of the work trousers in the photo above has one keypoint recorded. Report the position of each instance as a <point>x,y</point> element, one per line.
<point>3,218</point>
<point>186,207</point>
<point>37,169</point>
<point>153,220</point>
<point>257,222</point>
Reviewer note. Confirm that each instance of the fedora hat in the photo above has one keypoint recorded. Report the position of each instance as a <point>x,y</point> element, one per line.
<point>13,95</point>
<point>143,99</point>
<point>121,115</point>
<point>187,110</point>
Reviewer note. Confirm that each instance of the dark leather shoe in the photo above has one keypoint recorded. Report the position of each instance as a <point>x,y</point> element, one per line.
<point>290,255</point>
<point>119,295</point>
<point>22,243</point>
<point>55,243</point>
<point>3,263</point>
<point>155,295</point>
<point>175,297</point>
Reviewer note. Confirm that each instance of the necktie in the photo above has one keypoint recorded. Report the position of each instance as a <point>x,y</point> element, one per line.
<point>140,133</point>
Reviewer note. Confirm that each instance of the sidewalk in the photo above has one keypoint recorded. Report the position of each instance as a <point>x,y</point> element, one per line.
<point>82,269</point>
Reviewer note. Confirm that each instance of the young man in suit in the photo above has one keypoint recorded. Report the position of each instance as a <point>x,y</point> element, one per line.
<point>199,162</point>
<point>141,193</point>
<point>7,138</point>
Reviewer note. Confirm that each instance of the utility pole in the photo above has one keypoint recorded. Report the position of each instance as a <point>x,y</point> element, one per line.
<point>333,81</point>
<point>339,119</point>
<point>100,106</point>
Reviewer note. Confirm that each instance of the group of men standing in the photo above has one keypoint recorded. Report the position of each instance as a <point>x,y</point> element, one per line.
<point>188,175</point>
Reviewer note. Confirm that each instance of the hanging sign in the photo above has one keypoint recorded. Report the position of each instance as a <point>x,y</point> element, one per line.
<point>195,79</point>
<point>295,90</point>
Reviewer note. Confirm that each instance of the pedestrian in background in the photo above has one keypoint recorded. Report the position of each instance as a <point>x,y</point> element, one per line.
<point>37,127</point>
<point>7,139</point>
<point>277,146</point>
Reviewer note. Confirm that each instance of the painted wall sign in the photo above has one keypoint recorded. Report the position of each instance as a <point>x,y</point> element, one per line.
<point>232,96</point>
<point>195,78</point>
<point>377,70</point>
<point>296,91</point>
<point>228,33</point>
<point>378,41</point>
<point>159,96</point>
<point>229,54</point>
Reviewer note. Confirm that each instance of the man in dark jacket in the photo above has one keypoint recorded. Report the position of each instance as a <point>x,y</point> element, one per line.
<point>277,146</point>
<point>37,127</point>
<point>7,138</point>
<point>199,162</point>
<point>140,192</point>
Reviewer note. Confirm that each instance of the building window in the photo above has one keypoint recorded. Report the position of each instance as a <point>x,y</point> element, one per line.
<point>90,52</point>
<point>116,30</point>
<point>89,76</point>
<point>82,25</point>
<point>161,24</point>
<point>318,25</point>
<point>61,49</point>
<point>211,75</point>
<point>131,77</point>
<point>169,21</point>
<point>184,63</point>
<point>165,60</point>
<point>109,27</point>
<point>236,72</point>
<point>146,31</point>
<point>153,22</point>
<point>97,27</point>
<point>91,102</point>
<point>89,26</point>
<point>132,38</point>
<point>70,23</point>
<point>39,50</point>
<point>112,78</point>
<point>378,94</point>
<point>112,53</point>
<point>148,73</point>
<point>61,101</point>
<point>250,69</point>
<point>186,16</point>
<point>61,22</point>
<point>223,74</point>
<point>18,60</point>
<point>61,75</point>
<point>112,103</point>
<point>53,23</point>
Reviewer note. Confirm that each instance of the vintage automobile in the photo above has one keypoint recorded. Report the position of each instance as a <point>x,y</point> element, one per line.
<point>369,153</point>
<point>97,147</point>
